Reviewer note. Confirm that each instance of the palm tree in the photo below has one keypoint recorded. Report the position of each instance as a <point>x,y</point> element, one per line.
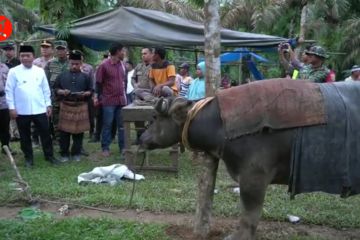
<point>180,8</point>
<point>351,42</point>
<point>19,13</point>
<point>250,15</point>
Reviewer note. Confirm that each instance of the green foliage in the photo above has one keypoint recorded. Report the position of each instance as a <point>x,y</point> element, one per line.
<point>63,30</point>
<point>351,42</point>
<point>53,11</point>
<point>32,4</point>
<point>62,13</point>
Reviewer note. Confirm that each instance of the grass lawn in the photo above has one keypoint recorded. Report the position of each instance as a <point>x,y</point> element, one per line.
<point>163,192</point>
<point>80,229</point>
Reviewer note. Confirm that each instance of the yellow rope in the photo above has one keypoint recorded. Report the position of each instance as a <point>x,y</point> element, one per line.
<point>190,116</point>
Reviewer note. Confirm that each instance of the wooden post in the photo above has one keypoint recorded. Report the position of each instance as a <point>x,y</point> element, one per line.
<point>208,165</point>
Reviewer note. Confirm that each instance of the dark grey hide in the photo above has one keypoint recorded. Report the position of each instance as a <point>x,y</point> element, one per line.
<point>253,161</point>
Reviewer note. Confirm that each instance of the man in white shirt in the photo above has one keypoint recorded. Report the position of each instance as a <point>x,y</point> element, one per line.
<point>28,97</point>
<point>355,74</point>
<point>129,87</point>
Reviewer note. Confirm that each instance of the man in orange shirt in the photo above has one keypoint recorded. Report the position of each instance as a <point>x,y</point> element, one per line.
<point>162,74</point>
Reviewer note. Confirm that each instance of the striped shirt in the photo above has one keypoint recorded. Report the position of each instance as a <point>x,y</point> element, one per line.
<point>112,79</point>
<point>184,85</point>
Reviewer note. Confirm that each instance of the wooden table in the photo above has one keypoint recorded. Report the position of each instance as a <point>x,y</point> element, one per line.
<point>133,113</point>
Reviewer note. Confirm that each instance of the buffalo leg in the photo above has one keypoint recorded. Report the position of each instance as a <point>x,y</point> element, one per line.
<point>206,184</point>
<point>252,193</point>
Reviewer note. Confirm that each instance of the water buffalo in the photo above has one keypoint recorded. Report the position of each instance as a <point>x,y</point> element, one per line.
<point>254,161</point>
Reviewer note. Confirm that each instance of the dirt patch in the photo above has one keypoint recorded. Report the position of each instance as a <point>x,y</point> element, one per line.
<point>266,231</point>
<point>181,224</point>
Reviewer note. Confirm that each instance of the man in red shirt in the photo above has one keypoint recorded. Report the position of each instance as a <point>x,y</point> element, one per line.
<point>111,86</point>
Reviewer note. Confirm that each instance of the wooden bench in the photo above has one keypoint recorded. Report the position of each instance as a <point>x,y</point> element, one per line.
<point>133,113</point>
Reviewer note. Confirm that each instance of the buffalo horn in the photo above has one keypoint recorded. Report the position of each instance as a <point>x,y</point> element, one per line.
<point>161,105</point>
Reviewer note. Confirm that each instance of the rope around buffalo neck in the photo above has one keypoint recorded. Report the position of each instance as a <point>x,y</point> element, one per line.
<point>190,116</point>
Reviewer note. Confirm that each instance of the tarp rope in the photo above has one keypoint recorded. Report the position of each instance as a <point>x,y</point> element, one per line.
<point>190,116</point>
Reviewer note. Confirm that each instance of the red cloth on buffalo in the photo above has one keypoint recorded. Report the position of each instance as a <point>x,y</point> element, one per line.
<point>274,103</point>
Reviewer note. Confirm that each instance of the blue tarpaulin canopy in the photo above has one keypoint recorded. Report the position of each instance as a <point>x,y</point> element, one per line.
<point>240,53</point>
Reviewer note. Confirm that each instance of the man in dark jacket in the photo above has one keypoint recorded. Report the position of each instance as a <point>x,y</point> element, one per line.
<point>73,89</point>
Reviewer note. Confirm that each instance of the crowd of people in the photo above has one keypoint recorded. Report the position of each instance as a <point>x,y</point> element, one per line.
<point>58,97</point>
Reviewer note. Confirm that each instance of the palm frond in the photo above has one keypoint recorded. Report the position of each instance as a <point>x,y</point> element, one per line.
<point>24,12</point>
<point>352,26</point>
<point>352,57</point>
<point>63,29</point>
<point>157,5</point>
<point>6,11</point>
<point>231,18</point>
<point>265,18</point>
<point>184,10</point>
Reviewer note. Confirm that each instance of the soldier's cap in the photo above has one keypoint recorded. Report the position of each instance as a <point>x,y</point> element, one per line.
<point>46,43</point>
<point>184,65</point>
<point>75,55</point>
<point>317,51</point>
<point>8,46</point>
<point>355,68</point>
<point>60,44</point>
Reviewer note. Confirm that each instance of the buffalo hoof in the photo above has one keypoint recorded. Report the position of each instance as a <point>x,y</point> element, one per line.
<point>240,235</point>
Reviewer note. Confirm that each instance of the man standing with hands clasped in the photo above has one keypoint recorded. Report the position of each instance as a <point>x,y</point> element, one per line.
<point>28,97</point>
<point>73,89</point>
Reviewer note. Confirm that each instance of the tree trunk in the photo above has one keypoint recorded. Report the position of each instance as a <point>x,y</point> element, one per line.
<point>212,46</point>
<point>208,165</point>
<point>303,23</point>
<point>302,28</point>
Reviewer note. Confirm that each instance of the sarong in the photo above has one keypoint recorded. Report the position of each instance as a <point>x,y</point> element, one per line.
<point>74,117</point>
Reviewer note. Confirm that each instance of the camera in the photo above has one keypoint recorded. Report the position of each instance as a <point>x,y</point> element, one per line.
<point>284,46</point>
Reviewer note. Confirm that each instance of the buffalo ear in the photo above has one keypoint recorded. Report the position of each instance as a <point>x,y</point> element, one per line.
<point>179,109</point>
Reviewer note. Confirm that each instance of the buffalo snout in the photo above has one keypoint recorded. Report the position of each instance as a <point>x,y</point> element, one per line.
<point>146,142</point>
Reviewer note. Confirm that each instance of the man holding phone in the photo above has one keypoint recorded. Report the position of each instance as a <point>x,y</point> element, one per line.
<point>311,67</point>
<point>73,89</point>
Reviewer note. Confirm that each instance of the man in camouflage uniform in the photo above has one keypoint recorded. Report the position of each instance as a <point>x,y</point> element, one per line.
<point>46,50</point>
<point>313,68</point>
<point>317,71</point>
<point>53,69</point>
